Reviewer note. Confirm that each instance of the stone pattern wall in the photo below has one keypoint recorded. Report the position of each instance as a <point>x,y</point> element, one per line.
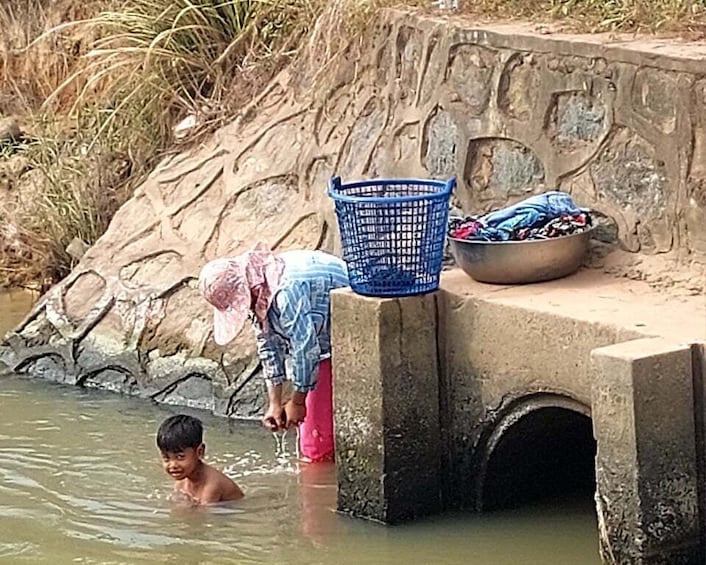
<point>508,112</point>
<point>624,139</point>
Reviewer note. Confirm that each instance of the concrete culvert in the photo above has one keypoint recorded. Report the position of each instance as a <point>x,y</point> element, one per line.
<point>547,455</point>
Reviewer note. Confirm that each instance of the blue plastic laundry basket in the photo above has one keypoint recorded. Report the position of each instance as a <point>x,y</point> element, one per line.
<point>393,233</point>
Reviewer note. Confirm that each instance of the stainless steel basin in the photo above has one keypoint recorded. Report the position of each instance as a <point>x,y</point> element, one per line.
<point>519,262</point>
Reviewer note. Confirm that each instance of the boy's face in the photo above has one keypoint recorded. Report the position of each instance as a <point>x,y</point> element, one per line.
<point>182,464</point>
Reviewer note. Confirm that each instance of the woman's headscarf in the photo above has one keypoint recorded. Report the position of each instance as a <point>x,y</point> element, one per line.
<point>228,284</point>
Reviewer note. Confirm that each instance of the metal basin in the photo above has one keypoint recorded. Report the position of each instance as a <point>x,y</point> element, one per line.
<point>519,262</point>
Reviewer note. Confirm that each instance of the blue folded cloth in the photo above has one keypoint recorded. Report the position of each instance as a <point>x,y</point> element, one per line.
<point>531,212</point>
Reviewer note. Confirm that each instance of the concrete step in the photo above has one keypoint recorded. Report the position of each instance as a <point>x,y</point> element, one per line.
<point>596,297</point>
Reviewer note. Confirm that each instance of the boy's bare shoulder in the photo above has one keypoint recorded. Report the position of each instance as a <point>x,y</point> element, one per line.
<point>221,487</point>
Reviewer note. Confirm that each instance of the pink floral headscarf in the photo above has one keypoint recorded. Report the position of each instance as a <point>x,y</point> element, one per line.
<point>227,285</point>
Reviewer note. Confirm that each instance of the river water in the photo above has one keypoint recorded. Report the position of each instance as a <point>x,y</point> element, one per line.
<point>81,482</point>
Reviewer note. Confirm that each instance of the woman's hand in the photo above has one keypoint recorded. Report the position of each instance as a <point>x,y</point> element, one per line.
<point>275,418</point>
<point>295,410</point>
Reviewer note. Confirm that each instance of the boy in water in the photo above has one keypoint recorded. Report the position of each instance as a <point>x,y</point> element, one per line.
<point>180,440</point>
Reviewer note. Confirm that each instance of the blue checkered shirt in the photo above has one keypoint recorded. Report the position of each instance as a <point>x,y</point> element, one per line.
<point>299,319</point>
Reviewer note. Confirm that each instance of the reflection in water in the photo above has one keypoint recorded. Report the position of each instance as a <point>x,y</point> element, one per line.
<point>81,482</point>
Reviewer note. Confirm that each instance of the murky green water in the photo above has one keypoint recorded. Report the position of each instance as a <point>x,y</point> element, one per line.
<point>80,482</point>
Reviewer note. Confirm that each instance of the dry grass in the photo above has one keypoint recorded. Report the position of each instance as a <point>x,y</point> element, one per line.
<point>598,15</point>
<point>101,93</point>
<point>75,184</point>
<point>28,76</point>
<point>139,69</point>
<point>172,59</point>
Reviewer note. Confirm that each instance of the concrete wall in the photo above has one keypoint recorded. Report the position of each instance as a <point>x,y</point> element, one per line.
<point>498,359</point>
<point>498,362</point>
<point>387,425</point>
<point>644,421</point>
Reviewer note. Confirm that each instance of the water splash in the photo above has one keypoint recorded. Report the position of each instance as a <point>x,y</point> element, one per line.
<point>281,451</point>
<point>252,463</point>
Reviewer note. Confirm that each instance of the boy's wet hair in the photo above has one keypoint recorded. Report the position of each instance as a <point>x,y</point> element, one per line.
<point>178,433</point>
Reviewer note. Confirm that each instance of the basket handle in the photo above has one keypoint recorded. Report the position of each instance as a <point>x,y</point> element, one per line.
<point>334,186</point>
<point>450,185</point>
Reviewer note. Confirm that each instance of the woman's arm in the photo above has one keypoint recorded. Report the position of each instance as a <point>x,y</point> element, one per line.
<point>296,322</point>
<point>272,358</point>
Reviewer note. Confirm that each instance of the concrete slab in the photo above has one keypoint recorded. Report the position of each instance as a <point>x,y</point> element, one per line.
<point>646,465</point>
<point>469,362</point>
<point>385,360</point>
<point>595,297</point>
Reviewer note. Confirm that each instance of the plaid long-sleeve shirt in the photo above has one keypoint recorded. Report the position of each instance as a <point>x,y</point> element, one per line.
<point>299,319</point>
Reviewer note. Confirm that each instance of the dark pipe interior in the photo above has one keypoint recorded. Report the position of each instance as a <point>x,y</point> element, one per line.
<point>547,455</point>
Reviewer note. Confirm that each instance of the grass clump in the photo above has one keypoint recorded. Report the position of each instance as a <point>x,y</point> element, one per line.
<point>72,185</point>
<point>28,76</point>
<point>148,65</point>
<point>169,60</point>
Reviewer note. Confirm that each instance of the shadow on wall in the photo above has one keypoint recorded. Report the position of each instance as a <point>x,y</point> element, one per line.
<point>546,455</point>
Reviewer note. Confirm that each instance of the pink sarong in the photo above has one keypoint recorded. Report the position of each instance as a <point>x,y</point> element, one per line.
<point>316,431</point>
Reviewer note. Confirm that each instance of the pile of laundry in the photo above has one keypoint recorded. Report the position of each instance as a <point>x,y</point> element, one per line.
<point>552,214</point>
